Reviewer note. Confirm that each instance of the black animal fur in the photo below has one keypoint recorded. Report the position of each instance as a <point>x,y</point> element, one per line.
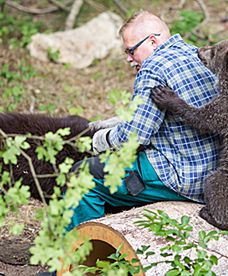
<point>37,124</point>
<point>213,117</point>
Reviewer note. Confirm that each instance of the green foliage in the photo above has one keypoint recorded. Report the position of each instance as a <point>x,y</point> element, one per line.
<point>188,21</point>
<point>186,25</point>
<point>179,244</point>
<point>127,114</point>
<point>49,107</point>
<point>14,96</point>
<point>53,243</point>
<point>177,251</point>
<point>53,143</point>
<point>17,194</point>
<point>13,147</point>
<point>116,264</point>
<point>120,99</point>
<point>11,83</point>
<point>53,55</point>
<point>11,73</point>
<point>17,31</point>
<point>116,163</point>
<point>116,97</point>
<point>76,110</point>
<point>83,144</point>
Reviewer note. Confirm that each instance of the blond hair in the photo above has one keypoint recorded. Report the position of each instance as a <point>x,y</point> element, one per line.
<point>145,21</point>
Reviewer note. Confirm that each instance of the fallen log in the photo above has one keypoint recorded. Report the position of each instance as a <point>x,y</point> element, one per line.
<point>109,232</point>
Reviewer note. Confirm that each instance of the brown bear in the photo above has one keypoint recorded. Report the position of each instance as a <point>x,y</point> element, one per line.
<point>39,125</point>
<point>212,117</point>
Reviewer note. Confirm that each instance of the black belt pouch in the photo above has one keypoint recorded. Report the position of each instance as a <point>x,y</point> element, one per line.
<point>134,183</point>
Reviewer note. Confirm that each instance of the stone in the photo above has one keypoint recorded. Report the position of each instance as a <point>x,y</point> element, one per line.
<point>81,46</point>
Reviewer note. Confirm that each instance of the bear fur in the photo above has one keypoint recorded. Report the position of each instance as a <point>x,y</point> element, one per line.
<point>39,125</point>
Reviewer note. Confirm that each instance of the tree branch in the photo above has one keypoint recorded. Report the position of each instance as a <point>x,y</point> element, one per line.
<point>204,10</point>
<point>37,183</point>
<point>121,7</point>
<point>98,6</point>
<point>19,7</point>
<point>73,14</point>
<point>60,5</point>
<point>196,30</point>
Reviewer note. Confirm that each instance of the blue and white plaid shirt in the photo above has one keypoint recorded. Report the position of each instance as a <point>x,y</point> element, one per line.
<point>180,155</point>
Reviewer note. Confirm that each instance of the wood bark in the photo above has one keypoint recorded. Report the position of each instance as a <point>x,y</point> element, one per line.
<point>112,230</point>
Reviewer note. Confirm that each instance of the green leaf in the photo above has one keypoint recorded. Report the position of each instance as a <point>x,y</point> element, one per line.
<point>16,229</point>
<point>84,144</point>
<point>214,260</point>
<point>53,55</point>
<point>185,220</point>
<point>173,272</point>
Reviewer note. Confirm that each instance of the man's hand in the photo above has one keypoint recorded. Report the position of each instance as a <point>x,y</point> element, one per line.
<point>100,140</point>
<point>109,123</point>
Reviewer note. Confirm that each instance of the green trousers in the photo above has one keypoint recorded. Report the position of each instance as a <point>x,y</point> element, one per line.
<point>92,205</point>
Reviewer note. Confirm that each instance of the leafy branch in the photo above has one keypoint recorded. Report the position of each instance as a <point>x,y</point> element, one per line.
<point>179,243</point>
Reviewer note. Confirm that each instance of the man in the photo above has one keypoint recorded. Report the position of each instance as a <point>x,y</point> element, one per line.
<point>176,158</point>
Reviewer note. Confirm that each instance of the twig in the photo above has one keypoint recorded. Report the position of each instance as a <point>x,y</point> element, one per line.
<point>60,5</point>
<point>32,105</point>
<point>204,10</point>
<point>47,175</point>
<point>181,4</point>
<point>98,6</point>
<point>212,250</point>
<point>196,30</point>
<point>73,13</point>
<point>37,183</point>
<point>31,169</point>
<point>120,6</point>
<point>30,10</point>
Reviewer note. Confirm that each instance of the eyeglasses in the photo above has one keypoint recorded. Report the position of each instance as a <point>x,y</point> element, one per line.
<point>131,50</point>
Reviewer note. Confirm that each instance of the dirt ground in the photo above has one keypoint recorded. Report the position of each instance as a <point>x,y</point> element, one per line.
<point>62,90</point>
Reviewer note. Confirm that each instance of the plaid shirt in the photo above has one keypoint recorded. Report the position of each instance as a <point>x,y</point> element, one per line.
<point>180,155</point>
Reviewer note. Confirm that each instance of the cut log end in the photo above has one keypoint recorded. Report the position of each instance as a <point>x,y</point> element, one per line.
<point>105,241</point>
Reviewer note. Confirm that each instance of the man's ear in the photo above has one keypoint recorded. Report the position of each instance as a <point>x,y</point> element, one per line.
<point>154,41</point>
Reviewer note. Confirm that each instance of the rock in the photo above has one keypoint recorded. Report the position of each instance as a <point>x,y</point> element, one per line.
<point>81,46</point>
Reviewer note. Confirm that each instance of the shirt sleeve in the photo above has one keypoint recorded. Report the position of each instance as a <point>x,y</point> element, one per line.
<point>147,118</point>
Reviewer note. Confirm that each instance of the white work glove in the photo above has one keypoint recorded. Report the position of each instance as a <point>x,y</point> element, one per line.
<point>100,140</point>
<point>109,123</point>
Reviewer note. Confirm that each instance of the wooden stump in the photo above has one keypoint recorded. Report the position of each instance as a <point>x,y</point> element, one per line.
<point>109,232</point>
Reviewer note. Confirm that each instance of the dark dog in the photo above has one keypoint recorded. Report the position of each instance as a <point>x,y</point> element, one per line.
<point>213,117</point>
<point>39,125</point>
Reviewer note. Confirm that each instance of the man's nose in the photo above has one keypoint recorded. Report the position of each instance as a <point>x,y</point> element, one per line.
<point>129,58</point>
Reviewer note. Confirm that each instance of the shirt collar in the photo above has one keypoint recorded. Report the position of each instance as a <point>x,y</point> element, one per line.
<point>168,43</point>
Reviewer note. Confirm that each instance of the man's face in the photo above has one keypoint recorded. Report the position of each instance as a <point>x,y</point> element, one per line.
<point>143,51</point>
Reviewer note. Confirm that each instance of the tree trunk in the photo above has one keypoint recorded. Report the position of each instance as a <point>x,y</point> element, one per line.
<point>109,232</point>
